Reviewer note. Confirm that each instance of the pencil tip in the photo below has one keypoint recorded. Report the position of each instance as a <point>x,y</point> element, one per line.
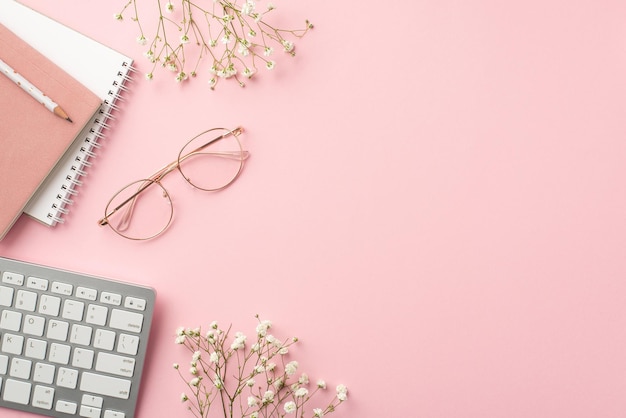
<point>69,120</point>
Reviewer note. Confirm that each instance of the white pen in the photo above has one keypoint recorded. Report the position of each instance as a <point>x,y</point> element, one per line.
<point>29,88</point>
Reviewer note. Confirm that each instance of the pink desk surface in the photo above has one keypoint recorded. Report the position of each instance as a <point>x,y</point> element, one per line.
<point>435,205</point>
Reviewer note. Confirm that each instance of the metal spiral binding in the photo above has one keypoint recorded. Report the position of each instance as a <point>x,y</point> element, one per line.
<point>100,123</point>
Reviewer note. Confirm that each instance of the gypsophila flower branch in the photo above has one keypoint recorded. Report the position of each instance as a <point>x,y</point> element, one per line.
<point>234,36</point>
<point>248,379</point>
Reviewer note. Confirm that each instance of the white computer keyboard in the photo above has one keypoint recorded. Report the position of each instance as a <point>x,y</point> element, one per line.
<point>71,344</point>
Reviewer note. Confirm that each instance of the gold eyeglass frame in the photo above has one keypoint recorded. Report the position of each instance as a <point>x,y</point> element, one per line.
<point>129,203</point>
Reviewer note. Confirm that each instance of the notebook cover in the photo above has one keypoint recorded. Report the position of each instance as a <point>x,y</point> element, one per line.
<point>33,139</point>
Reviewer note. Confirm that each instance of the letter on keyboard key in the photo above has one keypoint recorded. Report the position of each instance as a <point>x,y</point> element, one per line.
<point>126,321</point>
<point>105,385</point>
<point>16,391</point>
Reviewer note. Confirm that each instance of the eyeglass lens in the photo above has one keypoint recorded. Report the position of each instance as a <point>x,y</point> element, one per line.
<point>145,210</point>
<point>211,160</point>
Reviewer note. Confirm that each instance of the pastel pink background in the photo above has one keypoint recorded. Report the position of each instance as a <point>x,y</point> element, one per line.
<point>435,205</point>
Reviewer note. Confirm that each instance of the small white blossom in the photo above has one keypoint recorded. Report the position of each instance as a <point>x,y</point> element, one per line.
<point>321,384</point>
<point>169,7</point>
<point>317,412</point>
<point>214,357</point>
<point>288,45</point>
<point>118,16</point>
<point>196,355</point>
<point>249,73</point>
<point>270,65</point>
<point>183,397</point>
<point>301,392</point>
<point>268,51</point>
<point>141,40</point>
<point>180,339</point>
<point>248,7</point>
<point>304,379</point>
<point>250,382</point>
<point>239,342</point>
<point>291,368</point>
<point>149,76</point>
<point>290,407</point>
<point>268,397</point>
<point>193,371</point>
<point>195,381</point>
<point>184,39</point>
<point>342,392</point>
<point>252,401</point>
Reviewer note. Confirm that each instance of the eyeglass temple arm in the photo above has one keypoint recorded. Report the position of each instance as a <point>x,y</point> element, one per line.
<point>160,174</point>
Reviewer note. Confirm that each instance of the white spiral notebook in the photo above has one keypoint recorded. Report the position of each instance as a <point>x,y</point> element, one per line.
<point>100,68</point>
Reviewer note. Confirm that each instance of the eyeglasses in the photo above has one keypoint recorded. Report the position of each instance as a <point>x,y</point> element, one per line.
<point>143,209</point>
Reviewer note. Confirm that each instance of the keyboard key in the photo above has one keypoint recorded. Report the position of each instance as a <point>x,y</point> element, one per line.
<point>126,321</point>
<point>4,364</point>
<point>105,385</point>
<point>86,293</point>
<point>36,348</point>
<point>104,339</point>
<point>37,283</point>
<point>73,310</point>
<point>113,414</point>
<point>57,330</point>
<point>91,400</point>
<point>15,279</point>
<point>26,300</point>
<point>11,320</point>
<point>20,368</point>
<point>44,373</point>
<point>128,344</point>
<point>59,353</point>
<point>135,303</point>
<point>67,378</point>
<point>89,412</point>
<point>43,397</point>
<point>16,391</point>
<point>50,305</point>
<point>114,364</point>
<point>12,344</point>
<point>82,358</point>
<point>97,315</point>
<point>62,288</point>
<point>66,407</point>
<point>6,296</point>
<point>81,334</point>
<point>111,298</point>
<point>34,325</point>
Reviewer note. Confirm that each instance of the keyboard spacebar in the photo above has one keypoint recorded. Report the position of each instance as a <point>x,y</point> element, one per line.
<point>105,385</point>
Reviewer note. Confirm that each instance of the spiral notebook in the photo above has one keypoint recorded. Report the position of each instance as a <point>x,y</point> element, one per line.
<point>101,69</point>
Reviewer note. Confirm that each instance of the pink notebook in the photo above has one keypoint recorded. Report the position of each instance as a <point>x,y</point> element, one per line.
<point>32,138</point>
